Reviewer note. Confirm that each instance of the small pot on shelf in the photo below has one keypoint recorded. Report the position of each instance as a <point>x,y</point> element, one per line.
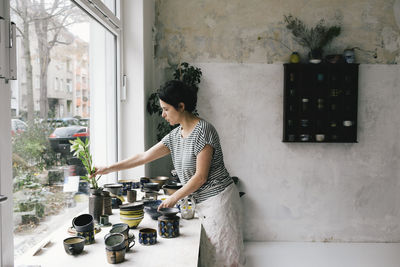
<point>315,55</point>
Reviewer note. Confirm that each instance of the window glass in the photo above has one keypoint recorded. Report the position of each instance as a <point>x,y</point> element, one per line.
<point>66,89</point>
<point>111,4</point>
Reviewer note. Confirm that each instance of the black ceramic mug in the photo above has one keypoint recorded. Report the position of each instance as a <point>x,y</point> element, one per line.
<point>83,223</point>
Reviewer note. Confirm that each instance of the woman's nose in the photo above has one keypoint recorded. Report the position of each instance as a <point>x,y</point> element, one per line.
<point>163,114</point>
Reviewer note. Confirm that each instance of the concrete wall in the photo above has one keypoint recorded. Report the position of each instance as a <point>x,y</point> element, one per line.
<point>296,192</point>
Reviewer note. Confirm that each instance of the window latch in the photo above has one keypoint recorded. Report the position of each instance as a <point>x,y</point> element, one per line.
<point>2,198</point>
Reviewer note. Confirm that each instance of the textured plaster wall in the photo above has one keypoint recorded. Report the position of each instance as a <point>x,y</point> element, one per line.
<point>229,30</point>
<point>308,192</point>
<point>296,192</point>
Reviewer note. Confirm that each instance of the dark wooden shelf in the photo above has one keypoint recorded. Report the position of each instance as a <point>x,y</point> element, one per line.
<point>320,103</point>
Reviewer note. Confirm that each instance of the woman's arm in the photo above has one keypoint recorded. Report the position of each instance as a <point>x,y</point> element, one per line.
<point>157,151</point>
<point>203,164</point>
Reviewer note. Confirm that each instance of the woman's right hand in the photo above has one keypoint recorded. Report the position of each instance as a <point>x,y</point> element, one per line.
<point>101,170</point>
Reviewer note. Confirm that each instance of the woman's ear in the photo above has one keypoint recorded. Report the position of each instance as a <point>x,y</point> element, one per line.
<point>181,106</point>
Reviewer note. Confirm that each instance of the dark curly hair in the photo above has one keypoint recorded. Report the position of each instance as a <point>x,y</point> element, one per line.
<point>174,92</point>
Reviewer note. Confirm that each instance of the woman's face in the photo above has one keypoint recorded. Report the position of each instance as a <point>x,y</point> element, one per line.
<point>170,114</point>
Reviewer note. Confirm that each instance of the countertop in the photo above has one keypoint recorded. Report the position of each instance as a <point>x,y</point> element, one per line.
<point>174,252</point>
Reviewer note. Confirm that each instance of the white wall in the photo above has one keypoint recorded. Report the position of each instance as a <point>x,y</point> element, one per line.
<point>307,192</point>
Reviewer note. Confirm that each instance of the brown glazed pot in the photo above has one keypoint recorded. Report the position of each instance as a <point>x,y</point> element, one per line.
<point>115,256</point>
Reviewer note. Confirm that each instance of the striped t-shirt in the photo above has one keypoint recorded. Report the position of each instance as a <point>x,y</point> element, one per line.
<point>184,153</point>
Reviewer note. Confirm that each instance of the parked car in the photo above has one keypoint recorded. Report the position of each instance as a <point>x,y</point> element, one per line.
<point>62,122</point>
<point>59,139</point>
<point>18,126</point>
<point>84,122</point>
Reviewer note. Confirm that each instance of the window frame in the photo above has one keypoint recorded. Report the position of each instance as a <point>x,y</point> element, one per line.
<point>98,11</point>
<point>113,22</point>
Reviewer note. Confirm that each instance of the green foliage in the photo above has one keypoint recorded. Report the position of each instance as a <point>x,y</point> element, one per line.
<point>26,180</point>
<point>189,75</point>
<point>81,150</point>
<point>315,38</point>
<point>33,148</point>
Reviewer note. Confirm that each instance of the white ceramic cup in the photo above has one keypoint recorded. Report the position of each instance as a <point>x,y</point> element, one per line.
<point>347,123</point>
<point>320,137</point>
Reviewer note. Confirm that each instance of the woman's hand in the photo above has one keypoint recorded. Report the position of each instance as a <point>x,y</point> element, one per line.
<point>168,203</point>
<point>101,171</point>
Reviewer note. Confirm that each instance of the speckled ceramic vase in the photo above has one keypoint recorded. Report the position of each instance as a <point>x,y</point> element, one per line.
<point>96,204</point>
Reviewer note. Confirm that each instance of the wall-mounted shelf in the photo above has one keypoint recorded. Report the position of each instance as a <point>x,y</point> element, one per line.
<point>320,103</point>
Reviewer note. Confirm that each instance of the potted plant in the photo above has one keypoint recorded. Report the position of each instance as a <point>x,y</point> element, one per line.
<point>81,150</point>
<point>186,73</point>
<point>315,38</point>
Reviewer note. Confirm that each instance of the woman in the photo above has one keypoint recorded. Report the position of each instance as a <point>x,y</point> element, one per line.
<point>198,159</point>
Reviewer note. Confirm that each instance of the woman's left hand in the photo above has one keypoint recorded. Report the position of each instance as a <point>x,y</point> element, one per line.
<point>168,203</point>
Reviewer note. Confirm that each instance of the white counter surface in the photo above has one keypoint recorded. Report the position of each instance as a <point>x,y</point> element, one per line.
<point>180,251</point>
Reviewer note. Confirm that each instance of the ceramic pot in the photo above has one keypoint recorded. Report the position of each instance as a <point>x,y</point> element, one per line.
<point>144,180</point>
<point>168,227</point>
<point>122,228</point>
<point>187,208</point>
<point>349,55</point>
<point>126,185</point>
<point>114,189</point>
<point>107,203</point>
<point>147,236</point>
<point>83,223</point>
<point>315,56</point>
<point>96,206</point>
<point>74,245</point>
<point>114,241</point>
<point>115,256</point>
<point>88,235</point>
<point>294,57</point>
<point>131,195</point>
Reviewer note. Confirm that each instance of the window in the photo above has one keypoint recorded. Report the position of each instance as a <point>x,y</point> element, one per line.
<point>42,194</point>
<point>69,66</point>
<point>69,85</point>
<point>61,85</point>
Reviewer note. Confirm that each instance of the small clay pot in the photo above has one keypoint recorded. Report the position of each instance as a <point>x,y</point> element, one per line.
<point>74,245</point>
<point>147,236</point>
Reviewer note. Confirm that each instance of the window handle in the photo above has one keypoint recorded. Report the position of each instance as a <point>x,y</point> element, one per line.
<point>2,198</point>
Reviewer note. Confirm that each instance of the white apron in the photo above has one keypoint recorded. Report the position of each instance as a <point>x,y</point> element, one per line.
<point>221,241</point>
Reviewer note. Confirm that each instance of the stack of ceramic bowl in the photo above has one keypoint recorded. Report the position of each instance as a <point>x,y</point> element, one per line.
<point>132,214</point>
